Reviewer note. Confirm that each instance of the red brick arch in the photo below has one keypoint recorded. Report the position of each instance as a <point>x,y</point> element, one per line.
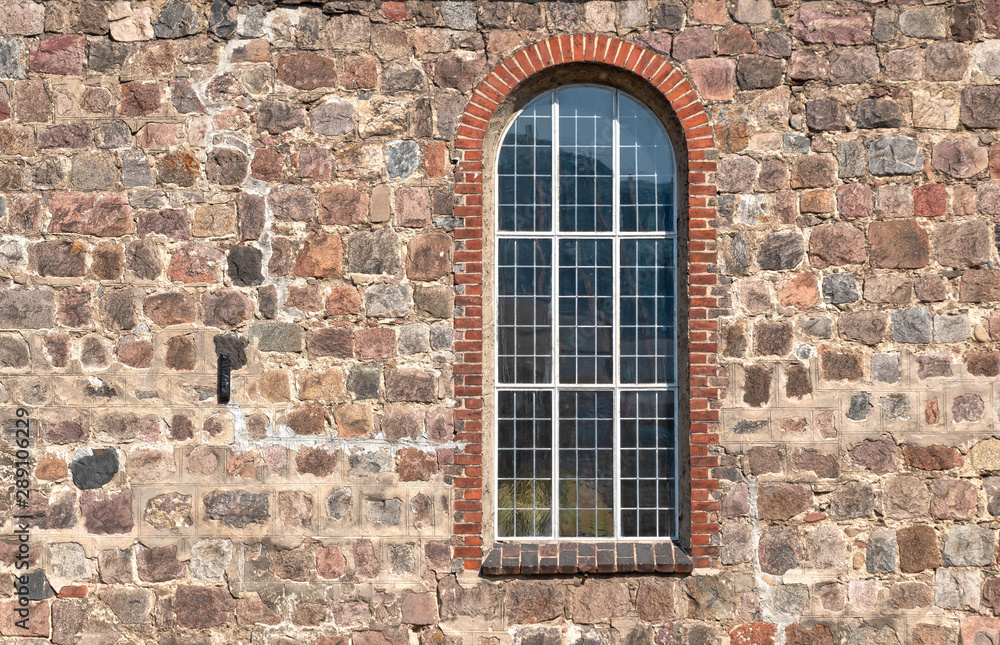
<point>703,327</point>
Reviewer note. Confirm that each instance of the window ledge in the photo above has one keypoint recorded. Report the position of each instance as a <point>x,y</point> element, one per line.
<point>532,559</point>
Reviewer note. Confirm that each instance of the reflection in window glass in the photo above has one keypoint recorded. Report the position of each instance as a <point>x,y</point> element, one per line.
<point>586,308</point>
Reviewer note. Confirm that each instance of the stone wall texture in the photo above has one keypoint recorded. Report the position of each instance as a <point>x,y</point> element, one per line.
<point>299,184</point>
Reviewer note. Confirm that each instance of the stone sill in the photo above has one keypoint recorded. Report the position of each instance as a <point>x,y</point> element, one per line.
<point>536,559</point>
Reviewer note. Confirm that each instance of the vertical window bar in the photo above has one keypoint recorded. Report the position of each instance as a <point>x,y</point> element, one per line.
<point>616,331</point>
<point>556,198</point>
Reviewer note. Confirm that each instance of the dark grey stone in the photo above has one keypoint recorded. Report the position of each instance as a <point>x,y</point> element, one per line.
<point>233,344</point>
<point>912,325</point>
<point>12,52</point>
<point>136,170</point>
<point>796,143</point>
<point>384,511</point>
<point>969,545</point>
<point>338,504</point>
<point>743,426</point>
<point>95,469</point>
<point>852,500</point>
<point>105,55</point>
<point>387,301</point>
<point>402,158</point>
<point>880,554</point>
<point>884,26</point>
<point>860,407</point>
<point>277,336</point>
<point>267,301</point>
<point>878,113</point>
<point>442,337</point>
<point>245,266</point>
<point>895,156</point>
<point>816,326</point>
<point>237,509</point>
<point>759,72</point>
<point>992,487</point>
<point>781,250</point>
<point>373,251</point>
<point>176,21</point>
<point>736,254</point>
<point>895,406</point>
<point>885,368</point>
<point>840,288</point>
<point>222,19</point>
<point>850,159</point>
<point>112,136</point>
<point>363,381</point>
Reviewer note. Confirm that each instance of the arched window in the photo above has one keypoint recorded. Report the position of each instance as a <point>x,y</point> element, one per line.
<point>586,320</point>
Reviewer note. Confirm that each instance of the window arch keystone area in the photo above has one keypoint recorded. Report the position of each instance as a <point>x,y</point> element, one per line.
<point>598,246</point>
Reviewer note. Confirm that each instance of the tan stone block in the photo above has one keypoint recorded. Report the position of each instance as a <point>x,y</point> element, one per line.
<point>214,220</point>
<point>354,420</point>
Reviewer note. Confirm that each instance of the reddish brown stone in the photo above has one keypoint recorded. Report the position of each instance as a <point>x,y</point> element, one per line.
<point>179,168</point>
<point>107,513</point>
<point>196,262</point>
<point>202,607</point>
<point>306,71</point>
<point>321,256</point>
<point>783,501</point>
<point>932,457</point>
<point>159,564</point>
<point>330,562</point>
<point>877,455</point>
<point>898,244</point>
<point>135,352</point>
<point>58,55</point>
<point>428,256</point>
<point>930,200</point>
<point>360,73</point>
<point>754,634</point>
<point>953,499</point>
<point>342,205</point>
<point>180,353</point>
<point>266,165</point>
<point>315,461</point>
<point>416,465</point>
<point>854,200</point>
<point>460,70</point>
<point>983,363</point>
<point>332,341</point>
<point>836,244</point>
<point>102,215</point>
<point>140,98</point>
<point>307,419</point>
<point>170,308</point>
<point>796,634</point>
<point>374,344</point>
<point>918,548</point>
<point>980,285</point>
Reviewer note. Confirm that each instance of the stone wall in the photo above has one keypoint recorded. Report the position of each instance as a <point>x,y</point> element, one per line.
<point>299,185</point>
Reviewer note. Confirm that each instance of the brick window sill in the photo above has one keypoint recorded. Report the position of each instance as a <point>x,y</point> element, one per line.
<point>536,559</point>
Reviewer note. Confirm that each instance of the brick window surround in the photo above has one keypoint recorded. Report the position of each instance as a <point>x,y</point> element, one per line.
<point>654,71</point>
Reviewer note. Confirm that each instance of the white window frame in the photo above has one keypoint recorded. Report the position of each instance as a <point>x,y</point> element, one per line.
<point>553,386</point>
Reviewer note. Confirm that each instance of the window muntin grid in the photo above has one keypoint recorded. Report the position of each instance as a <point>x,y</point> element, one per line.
<point>609,381</point>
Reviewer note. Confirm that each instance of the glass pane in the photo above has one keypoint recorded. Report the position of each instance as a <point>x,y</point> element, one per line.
<point>524,311</point>
<point>586,464</point>
<point>586,311</point>
<point>648,464</point>
<point>586,159</point>
<point>524,170</point>
<point>648,306</point>
<point>646,185</point>
<point>524,463</point>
